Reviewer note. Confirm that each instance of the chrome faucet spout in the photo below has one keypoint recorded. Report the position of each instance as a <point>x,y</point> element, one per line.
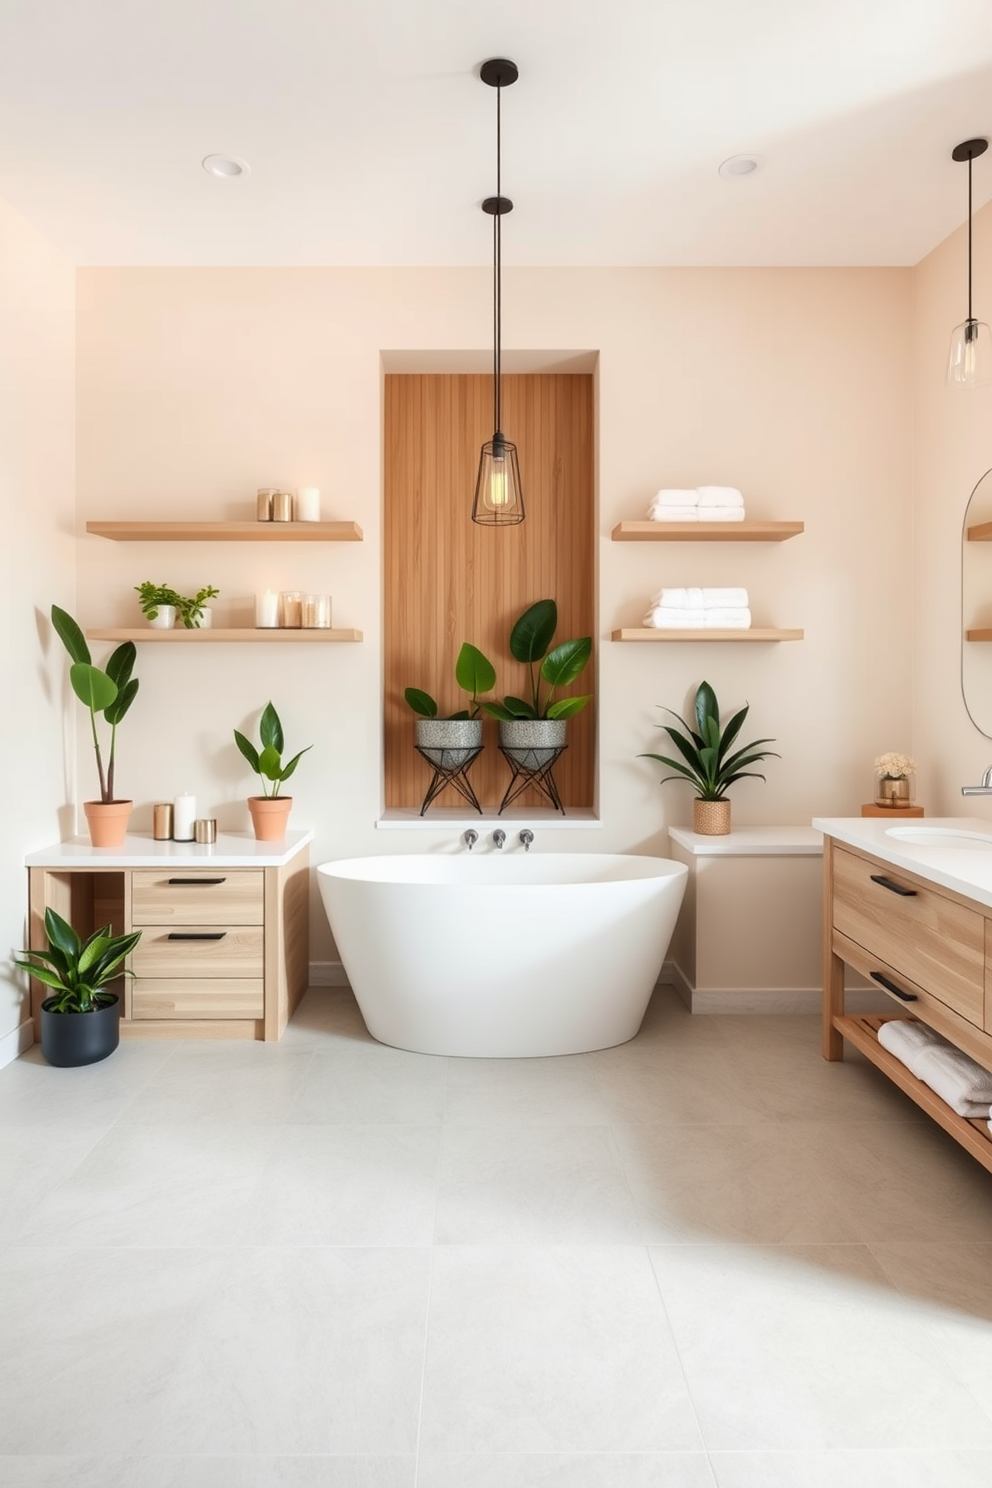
<point>499,837</point>
<point>470,838</point>
<point>985,789</point>
<point>526,838</point>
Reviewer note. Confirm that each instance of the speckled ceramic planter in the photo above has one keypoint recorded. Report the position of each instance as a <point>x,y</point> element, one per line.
<point>533,742</point>
<point>449,743</point>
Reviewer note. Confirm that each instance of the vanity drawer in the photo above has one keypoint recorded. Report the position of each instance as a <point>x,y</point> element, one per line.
<point>921,934</point>
<point>219,997</point>
<point>233,951</point>
<point>199,896</point>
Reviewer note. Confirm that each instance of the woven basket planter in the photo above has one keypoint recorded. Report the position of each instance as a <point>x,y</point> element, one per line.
<point>711,818</point>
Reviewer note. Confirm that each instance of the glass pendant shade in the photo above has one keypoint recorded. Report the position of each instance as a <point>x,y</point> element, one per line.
<point>499,498</point>
<point>969,363</point>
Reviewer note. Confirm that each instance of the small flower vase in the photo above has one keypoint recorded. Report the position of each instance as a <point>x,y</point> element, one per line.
<point>894,791</point>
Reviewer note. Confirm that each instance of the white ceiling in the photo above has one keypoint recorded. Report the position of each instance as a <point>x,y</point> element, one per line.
<point>371,139</point>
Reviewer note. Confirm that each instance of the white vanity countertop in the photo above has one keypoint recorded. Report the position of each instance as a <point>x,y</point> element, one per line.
<point>752,842</point>
<point>140,850</point>
<point>964,864</point>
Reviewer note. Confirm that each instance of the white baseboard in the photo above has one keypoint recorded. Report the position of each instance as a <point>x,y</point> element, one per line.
<point>766,1000</point>
<point>14,1043</point>
<point>328,974</point>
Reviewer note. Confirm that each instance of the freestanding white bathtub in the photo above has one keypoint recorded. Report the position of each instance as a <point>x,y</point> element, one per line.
<point>550,953</point>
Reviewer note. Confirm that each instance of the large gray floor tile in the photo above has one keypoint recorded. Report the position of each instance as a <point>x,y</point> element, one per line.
<point>66,1472</point>
<point>274,1472</point>
<point>371,1083</point>
<point>567,1470</point>
<point>879,1469</point>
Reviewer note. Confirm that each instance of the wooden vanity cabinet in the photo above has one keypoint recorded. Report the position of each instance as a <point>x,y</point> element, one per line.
<point>928,949</point>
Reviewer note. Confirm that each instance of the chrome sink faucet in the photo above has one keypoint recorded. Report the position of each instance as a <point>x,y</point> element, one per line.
<point>499,837</point>
<point>985,789</point>
<point>470,838</point>
<point>526,838</point>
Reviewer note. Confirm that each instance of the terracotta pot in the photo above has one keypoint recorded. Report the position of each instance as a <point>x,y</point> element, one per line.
<point>711,818</point>
<point>270,816</point>
<point>107,821</point>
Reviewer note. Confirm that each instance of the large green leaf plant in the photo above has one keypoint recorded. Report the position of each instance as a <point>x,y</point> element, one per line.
<point>75,969</point>
<point>706,757</point>
<point>267,762</point>
<point>529,641</point>
<point>108,692</point>
<point>473,673</point>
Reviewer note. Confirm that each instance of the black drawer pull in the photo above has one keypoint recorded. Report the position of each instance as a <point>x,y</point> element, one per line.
<point>196,935</point>
<point>887,883</point>
<point>883,981</point>
<point>186,882</point>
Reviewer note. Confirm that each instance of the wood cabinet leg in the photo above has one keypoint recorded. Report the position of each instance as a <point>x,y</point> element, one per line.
<point>833,966</point>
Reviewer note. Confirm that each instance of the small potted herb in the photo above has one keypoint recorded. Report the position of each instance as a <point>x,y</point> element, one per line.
<point>109,692</point>
<point>449,743</point>
<point>707,761</point>
<point>532,729</point>
<point>80,1023</point>
<point>194,612</point>
<point>162,605</point>
<point>269,811</point>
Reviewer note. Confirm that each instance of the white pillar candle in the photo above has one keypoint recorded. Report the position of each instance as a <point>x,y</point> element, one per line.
<point>183,817</point>
<point>308,504</point>
<point>267,610</point>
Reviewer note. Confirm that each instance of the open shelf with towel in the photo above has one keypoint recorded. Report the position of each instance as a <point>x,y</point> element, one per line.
<point>706,531</point>
<point>756,633</point>
<point>862,1033</point>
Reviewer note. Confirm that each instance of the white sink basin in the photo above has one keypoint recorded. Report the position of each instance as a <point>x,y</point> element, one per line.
<point>954,837</point>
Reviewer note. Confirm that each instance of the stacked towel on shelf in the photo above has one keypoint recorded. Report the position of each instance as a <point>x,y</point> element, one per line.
<point>963,1083</point>
<point>699,609</point>
<point>674,505</point>
<point>720,504</point>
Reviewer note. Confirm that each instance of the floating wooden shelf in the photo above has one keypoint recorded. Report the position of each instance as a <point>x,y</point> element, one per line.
<point>759,634</point>
<point>980,533</point>
<point>707,531</point>
<point>227,531</point>
<point>862,1032</point>
<point>978,635</point>
<point>203,637</point>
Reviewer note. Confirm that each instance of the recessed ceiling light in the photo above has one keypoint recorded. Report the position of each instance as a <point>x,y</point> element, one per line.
<point>225,166</point>
<point>739,165</point>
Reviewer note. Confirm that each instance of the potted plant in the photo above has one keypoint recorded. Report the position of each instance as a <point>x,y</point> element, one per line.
<point>707,761</point>
<point>269,811</point>
<point>532,729</point>
<point>161,606</point>
<point>81,1022</point>
<point>109,692</point>
<point>893,781</point>
<point>449,743</point>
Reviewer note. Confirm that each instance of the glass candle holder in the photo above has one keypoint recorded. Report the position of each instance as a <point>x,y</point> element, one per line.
<point>291,609</point>
<point>263,503</point>
<point>282,506</point>
<point>317,611</point>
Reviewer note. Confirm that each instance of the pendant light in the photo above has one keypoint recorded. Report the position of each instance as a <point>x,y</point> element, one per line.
<point>970,361</point>
<point>499,499</point>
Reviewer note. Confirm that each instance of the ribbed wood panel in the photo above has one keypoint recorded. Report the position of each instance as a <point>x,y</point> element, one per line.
<point>448,580</point>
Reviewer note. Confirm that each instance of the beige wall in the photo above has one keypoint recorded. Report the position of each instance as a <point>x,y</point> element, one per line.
<point>196,386</point>
<point>36,568</point>
<point>953,449</point>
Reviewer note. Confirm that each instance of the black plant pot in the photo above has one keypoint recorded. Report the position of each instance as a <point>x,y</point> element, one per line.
<point>68,1039</point>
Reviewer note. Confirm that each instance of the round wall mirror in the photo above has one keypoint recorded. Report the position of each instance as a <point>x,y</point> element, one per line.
<point>976,606</point>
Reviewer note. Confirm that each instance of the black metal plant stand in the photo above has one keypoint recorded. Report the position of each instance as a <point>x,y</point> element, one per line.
<point>537,774</point>
<point>450,772</point>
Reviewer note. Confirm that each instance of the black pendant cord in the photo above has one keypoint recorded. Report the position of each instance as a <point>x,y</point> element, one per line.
<point>970,316</point>
<point>497,281</point>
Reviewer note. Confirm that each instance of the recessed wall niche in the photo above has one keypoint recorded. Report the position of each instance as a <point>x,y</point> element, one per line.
<point>448,580</point>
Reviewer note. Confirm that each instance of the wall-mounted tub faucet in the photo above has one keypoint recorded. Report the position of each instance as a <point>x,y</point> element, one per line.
<point>470,838</point>
<point>985,789</point>
<point>499,837</point>
<point>526,838</point>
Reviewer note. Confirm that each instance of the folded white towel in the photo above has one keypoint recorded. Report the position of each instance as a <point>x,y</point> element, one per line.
<point>702,599</point>
<point>736,619</point>
<point>720,496</point>
<point>907,1039</point>
<point>963,1083</point>
<point>660,617</point>
<point>721,513</point>
<point>672,496</point>
<point>673,513</point>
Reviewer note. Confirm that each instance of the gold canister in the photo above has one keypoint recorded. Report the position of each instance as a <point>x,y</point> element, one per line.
<point>263,503</point>
<point>282,506</point>
<point>205,829</point>
<point>291,609</point>
<point>162,821</point>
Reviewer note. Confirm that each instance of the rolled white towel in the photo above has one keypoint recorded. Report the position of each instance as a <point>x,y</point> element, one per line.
<point>735,619</point>
<point>720,496</point>
<point>705,599</point>
<point>673,513</point>
<point>720,513</point>
<point>673,496</point>
<point>963,1083</point>
<point>908,1039</point>
<point>660,617</point>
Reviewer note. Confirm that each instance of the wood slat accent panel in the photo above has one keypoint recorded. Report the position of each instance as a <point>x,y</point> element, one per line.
<point>448,580</point>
